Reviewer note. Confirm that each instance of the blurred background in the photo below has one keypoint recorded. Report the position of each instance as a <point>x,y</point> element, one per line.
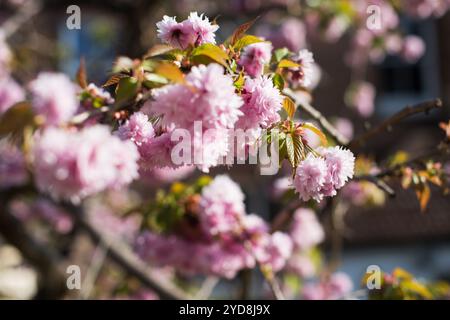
<point>396,234</point>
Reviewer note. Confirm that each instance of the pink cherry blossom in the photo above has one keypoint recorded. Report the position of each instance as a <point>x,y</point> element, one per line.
<point>262,102</point>
<point>208,96</point>
<point>193,31</point>
<point>138,129</point>
<point>202,29</point>
<point>173,33</point>
<point>310,177</point>
<point>305,74</point>
<point>340,165</point>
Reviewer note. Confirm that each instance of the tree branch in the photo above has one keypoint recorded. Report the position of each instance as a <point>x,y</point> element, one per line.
<point>124,257</point>
<point>25,13</point>
<point>424,107</point>
<point>319,117</point>
<point>52,282</point>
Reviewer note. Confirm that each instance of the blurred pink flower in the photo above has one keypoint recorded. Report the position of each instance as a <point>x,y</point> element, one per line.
<point>276,250</point>
<point>221,206</point>
<point>344,126</point>
<point>10,93</point>
<point>306,230</point>
<point>336,287</point>
<point>413,48</point>
<point>13,171</point>
<point>169,175</point>
<point>73,165</point>
<point>53,96</point>
<point>290,34</point>
<point>361,96</point>
<point>302,265</point>
<point>254,57</point>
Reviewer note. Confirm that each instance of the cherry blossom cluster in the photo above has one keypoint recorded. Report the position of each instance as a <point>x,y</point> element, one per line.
<point>318,177</point>
<point>75,164</point>
<point>226,241</point>
<point>193,31</point>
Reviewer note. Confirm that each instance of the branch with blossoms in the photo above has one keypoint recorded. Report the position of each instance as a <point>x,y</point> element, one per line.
<point>187,104</point>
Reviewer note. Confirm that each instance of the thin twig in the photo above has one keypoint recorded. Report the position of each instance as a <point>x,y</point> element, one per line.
<point>275,288</point>
<point>98,260</point>
<point>440,150</point>
<point>381,185</point>
<point>207,288</point>
<point>319,117</point>
<point>424,107</point>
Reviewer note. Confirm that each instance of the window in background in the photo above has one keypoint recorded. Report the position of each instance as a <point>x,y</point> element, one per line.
<point>402,83</point>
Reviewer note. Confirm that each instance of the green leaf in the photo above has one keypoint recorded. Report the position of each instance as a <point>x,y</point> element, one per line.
<point>153,80</point>
<point>290,150</point>
<point>15,119</point>
<point>157,50</point>
<point>240,81</point>
<point>289,106</point>
<point>281,53</point>
<point>278,81</point>
<point>299,149</point>
<point>245,41</point>
<point>207,53</point>
<point>170,71</point>
<point>285,63</point>
<point>416,288</point>
<point>126,88</point>
<point>114,79</point>
<point>241,30</point>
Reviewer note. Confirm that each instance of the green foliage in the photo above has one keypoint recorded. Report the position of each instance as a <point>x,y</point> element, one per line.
<point>402,285</point>
<point>126,89</point>
<point>208,53</point>
<point>278,81</point>
<point>169,207</point>
<point>280,54</point>
<point>245,41</point>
